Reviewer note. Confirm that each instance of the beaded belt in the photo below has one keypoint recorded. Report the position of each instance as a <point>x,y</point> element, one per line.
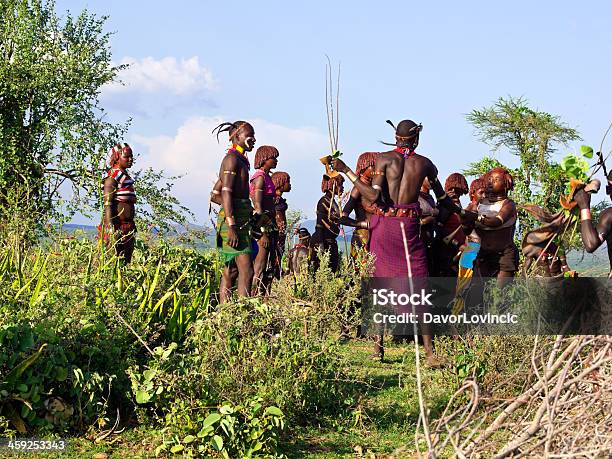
<point>395,212</point>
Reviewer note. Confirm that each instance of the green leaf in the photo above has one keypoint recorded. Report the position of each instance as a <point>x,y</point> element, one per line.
<point>586,151</point>
<point>274,411</point>
<point>189,439</point>
<point>22,388</point>
<point>211,419</point>
<point>149,375</point>
<point>61,374</point>
<point>205,431</point>
<point>217,442</point>
<point>142,396</point>
<point>177,448</point>
<point>16,372</point>
<point>568,161</point>
<point>582,165</point>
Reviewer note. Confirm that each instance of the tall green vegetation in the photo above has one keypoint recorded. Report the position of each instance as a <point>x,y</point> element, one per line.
<point>54,134</point>
<point>532,136</point>
<point>147,341</point>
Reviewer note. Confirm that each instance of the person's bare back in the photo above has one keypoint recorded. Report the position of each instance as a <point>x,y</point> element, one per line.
<point>404,176</point>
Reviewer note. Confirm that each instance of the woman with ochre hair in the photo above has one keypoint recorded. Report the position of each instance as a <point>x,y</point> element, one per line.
<point>120,202</point>
<point>498,256</point>
<point>264,231</point>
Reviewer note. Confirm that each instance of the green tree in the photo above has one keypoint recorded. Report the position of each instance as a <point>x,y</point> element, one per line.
<point>53,131</point>
<point>532,136</point>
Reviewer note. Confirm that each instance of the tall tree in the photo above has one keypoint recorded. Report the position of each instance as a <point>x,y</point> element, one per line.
<point>53,130</point>
<point>532,136</point>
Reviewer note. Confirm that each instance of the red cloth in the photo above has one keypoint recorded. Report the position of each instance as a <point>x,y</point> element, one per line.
<point>387,245</point>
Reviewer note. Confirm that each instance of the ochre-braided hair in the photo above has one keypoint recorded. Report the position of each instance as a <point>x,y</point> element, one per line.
<point>456,180</point>
<point>331,183</point>
<point>477,184</point>
<point>365,160</point>
<point>507,177</point>
<point>231,128</point>
<point>280,179</point>
<point>116,151</point>
<point>264,153</point>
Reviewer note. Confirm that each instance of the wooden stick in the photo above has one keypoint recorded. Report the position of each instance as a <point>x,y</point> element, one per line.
<point>416,344</point>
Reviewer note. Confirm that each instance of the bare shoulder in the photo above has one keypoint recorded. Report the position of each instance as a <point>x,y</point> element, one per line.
<point>109,181</point>
<point>424,159</point>
<point>229,161</point>
<point>606,216</point>
<point>384,157</point>
<point>427,165</point>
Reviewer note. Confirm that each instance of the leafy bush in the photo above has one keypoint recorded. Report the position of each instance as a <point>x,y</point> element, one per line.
<point>64,310</point>
<point>233,431</point>
<point>80,329</point>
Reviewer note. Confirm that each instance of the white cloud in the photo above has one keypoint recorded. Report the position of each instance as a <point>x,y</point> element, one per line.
<point>169,75</point>
<point>194,151</point>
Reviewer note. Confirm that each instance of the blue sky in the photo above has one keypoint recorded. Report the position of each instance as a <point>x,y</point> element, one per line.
<point>199,62</point>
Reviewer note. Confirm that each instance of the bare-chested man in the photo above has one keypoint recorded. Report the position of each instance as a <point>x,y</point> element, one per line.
<point>397,181</point>
<point>233,222</point>
<point>592,236</point>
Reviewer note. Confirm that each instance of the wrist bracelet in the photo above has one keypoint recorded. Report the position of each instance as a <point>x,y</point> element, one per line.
<point>230,221</point>
<point>351,176</point>
<point>585,214</point>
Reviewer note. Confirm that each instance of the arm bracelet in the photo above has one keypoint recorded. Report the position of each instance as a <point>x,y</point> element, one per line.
<point>585,214</point>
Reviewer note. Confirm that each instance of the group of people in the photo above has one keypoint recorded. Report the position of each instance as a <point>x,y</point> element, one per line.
<point>395,218</point>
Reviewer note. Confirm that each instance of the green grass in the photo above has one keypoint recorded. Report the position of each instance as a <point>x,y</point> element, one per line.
<point>387,410</point>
